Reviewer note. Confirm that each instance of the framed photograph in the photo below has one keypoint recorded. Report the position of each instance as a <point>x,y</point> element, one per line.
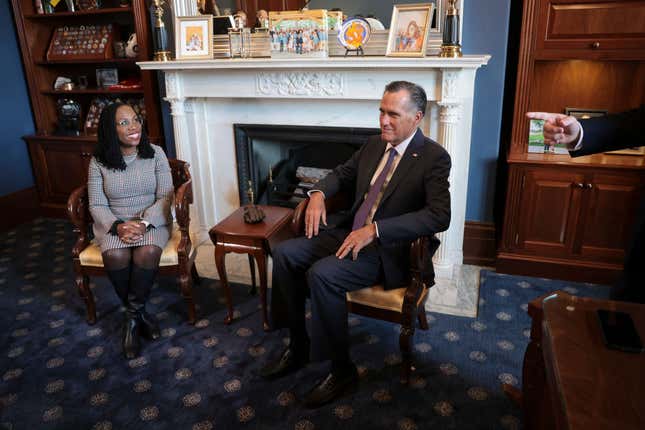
<point>193,37</point>
<point>536,140</point>
<point>107,77</point>
<point>299,34</point>
<point>584,113</point>
<point>334,20</point>
<point>409,30</point>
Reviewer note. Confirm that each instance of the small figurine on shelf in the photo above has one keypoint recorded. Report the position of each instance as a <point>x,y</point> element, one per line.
<point>252,213</point>
<point>69,117</point>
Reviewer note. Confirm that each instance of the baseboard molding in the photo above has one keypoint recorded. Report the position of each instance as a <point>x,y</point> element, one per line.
<point>19,207</point>
<point>567,270</point>
<point>479,243</point>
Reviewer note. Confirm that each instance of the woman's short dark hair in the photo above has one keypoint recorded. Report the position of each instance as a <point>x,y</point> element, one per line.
<point>417,93</point>
<point>108,148</point>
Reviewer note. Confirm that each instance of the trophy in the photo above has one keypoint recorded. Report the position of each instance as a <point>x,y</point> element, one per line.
<point>450,46</point>
<point>160,36</point>
<point>69,117</point>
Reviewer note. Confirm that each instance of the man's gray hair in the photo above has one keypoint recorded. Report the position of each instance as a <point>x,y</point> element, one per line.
<point>417,93</point>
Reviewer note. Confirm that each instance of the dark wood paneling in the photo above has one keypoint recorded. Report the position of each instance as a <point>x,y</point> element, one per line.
<point>615,86</point>
<point>479,243</point>
<point>18,208</point>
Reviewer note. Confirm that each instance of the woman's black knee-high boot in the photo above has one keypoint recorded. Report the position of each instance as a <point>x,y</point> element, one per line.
<point>140,285</point>
<point>130,342</point>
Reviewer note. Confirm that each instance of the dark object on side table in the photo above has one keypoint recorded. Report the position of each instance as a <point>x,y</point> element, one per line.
<point>253,214</point>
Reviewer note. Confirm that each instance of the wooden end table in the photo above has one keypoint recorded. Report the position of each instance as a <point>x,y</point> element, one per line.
<point>232,234</point>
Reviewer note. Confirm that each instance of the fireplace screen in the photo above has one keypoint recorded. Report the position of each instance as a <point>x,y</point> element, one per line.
<point>283,162</point>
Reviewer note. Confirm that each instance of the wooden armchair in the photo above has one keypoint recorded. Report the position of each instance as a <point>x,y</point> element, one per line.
<point>177,259</point>
<point>402,305</point>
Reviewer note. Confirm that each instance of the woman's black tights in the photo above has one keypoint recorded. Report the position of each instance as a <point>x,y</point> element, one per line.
<point>132,272</point>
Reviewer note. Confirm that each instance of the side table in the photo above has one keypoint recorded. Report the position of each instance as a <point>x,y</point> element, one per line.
<point>232,234</point>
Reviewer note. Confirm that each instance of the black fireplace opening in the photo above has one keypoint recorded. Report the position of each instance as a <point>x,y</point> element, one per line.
<point>279,163</point>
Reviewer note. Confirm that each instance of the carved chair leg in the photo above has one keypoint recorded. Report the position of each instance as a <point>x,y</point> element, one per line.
<point>194,274</point>
<point>187,294</point>
<point>405,339</point>
<point>423,321</point>
<point>83,286</point>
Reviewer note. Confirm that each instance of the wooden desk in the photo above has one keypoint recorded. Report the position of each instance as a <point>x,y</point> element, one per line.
<point>232,234</point>
<point>570,379</point>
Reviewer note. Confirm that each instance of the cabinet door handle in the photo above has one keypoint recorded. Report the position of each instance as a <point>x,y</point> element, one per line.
<point>579,185</point>
<point>589,186</point>
<point>595,45</point>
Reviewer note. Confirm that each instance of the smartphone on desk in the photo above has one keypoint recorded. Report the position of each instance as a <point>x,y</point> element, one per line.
<point>619,332</point>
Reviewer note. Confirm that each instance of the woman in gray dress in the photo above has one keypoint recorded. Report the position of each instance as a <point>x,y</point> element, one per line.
<point>130,193</point>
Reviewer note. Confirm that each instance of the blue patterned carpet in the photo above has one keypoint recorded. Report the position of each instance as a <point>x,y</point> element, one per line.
<point>59,373</point>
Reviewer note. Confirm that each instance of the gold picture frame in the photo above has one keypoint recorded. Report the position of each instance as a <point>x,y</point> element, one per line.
<point>299,34</point>
<point>409,30</point>
<point>194,37</point>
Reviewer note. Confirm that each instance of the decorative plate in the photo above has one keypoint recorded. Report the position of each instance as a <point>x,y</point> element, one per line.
<point>354,33</point>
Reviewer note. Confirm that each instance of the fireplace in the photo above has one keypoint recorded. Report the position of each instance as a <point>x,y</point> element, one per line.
<point>274,158</point>
<point>208,97</point>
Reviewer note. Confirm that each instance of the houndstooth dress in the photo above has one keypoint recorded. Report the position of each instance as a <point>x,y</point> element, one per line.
<point>143,190</point>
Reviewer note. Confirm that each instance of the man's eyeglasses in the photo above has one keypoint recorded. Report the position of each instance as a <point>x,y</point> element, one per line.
<point>127,122</point>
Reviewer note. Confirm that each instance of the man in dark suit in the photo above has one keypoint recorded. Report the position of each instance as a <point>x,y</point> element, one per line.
<point>399,185</point>
<point>608,133</point>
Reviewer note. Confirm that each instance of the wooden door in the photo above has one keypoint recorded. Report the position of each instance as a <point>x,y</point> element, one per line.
<point>611,203</point>
<point>548,211</point>
<point>252,6</point>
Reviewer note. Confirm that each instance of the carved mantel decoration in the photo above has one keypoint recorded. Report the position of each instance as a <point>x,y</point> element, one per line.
<point>208,97</point>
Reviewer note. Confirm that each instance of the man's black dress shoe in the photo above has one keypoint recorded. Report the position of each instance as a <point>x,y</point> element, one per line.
<point>331,387</point>
<point>289,362</point>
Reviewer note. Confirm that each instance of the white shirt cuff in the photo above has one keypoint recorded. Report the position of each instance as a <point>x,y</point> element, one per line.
<point>578,144</point>
<point>310,192</point>
<point>376,228</point>
<point>144,222</point>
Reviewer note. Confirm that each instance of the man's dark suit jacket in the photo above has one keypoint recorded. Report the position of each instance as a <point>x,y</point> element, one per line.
<point>416,202</point>
<point>609,133</point>
<point>612,132</point>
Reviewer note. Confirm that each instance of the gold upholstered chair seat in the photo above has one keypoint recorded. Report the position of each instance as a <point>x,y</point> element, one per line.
<point>91,256</point>
<point>177,259</point>
<point>378,297</point>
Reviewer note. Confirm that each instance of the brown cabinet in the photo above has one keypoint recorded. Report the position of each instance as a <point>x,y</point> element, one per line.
<point>592,29</point>
<point>564,214</point>
<point>571,218</point>
<point>59,167</point>
<point>60,162</point>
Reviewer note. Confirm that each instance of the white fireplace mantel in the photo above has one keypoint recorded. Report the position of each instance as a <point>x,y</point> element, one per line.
<point>208,96</point>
